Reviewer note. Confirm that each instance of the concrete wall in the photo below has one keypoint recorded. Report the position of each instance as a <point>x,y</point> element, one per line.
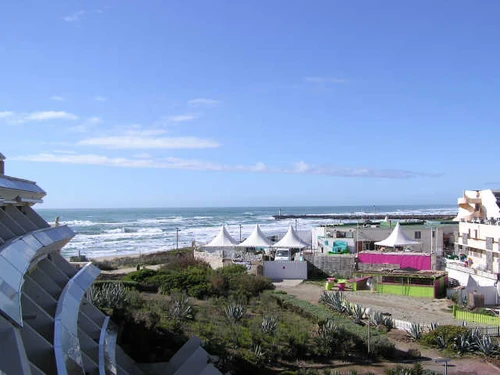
<point>285,269</point>
<point>341,264</point>
<point>214,259</point>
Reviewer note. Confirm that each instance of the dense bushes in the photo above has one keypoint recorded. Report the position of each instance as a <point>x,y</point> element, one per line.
<point>198,280</point>
<point>351,332</point>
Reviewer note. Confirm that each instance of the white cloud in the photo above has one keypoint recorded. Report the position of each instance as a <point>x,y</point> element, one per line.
<point>182,118</point>
<point>76,16</point>
<point>6,114</point>
<point>149,142</point>
<point>203,102</point>
<point>86,125</point>
<point>147,161</point>
<point>324,80</point>
<point>100,98</point>
<point>49,115</point>
<point>67,152</point>
<point>57,98</point>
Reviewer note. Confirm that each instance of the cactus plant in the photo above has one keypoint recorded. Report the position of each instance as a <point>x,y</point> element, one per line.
<point>415,331</point>
<point>108,295</point>
<point>180,307</point>
<point>269,325</point>
<point>234,311</point>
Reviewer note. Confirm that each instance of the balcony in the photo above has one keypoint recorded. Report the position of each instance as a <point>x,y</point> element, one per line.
<point>458,266</point>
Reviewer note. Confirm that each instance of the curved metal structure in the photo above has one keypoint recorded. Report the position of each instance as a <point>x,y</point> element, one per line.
<point>66,343</point>
<point>20,254</point>
<point>47,326</point>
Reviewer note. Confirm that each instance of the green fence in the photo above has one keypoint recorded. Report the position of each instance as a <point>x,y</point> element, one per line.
<point>475,317</point>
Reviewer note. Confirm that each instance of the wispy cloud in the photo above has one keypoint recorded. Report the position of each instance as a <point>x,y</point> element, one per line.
<point>146,141</point>
<point>182,118</point>
<point>146,161</point>
<point>49,115</point>
<point>203,102</point>
<point>324,80</point>
<point>86,125</point>
<point>57,98</point>
<point>6,114</point>
<point>100,98</point>
<point>76,16</point>
<point>14,118</point>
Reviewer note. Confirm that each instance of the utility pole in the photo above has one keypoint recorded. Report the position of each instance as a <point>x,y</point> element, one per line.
<point>240,232</point>
<point>177,238</point>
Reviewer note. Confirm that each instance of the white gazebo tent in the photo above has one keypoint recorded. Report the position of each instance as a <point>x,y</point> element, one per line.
<point>291,240</point>
<point>397,239</point>
<point>223,239</point>
<point>256,239</point>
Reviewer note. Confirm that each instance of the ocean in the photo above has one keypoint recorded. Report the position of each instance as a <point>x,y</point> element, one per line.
<point>130,231</point>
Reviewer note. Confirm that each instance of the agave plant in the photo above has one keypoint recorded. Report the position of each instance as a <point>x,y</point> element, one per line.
<point>334,300</point>
<point>388,322</point>
<point>269,325</point>
<point>234,311</point>
<point>377,318</point>
<point>440,341</point>
<point>487,347</point>
<point>433,326</point>
<point>357,313</point>
<point>415,331</point>
<point>328,338</point>
<point>108,295</point>
<point>463,344</point>
<point>180,307</point>
<point>259,353</point>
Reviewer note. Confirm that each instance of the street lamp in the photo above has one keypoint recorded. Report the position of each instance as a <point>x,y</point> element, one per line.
<point>240,232</point>
<point>177,238</point>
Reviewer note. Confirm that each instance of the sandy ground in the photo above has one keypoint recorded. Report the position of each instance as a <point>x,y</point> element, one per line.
<point>421,310</point>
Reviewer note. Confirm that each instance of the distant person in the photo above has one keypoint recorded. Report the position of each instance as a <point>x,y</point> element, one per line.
<point>56,221</point>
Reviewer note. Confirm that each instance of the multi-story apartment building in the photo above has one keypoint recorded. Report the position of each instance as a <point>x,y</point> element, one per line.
<point>477,244</point>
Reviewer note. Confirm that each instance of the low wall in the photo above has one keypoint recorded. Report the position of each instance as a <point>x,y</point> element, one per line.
<point>214,259</point>
<point>285,269</point>
<point>340,264</point>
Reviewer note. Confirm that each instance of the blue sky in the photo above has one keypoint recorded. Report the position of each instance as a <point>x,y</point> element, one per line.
<point>250,103</point>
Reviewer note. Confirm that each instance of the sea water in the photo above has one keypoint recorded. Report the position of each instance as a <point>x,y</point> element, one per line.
<point>111,232</point>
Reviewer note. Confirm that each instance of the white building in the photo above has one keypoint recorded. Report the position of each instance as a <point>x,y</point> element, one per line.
<point>477,244</point>
<point>433,237</point>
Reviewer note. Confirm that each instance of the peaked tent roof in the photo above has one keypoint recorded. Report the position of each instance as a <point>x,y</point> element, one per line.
<point>256,239</point>
<point>292,240</point>
<point>223,239</point>
<point>397,238</point>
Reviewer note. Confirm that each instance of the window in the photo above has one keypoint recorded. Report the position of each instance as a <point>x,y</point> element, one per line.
<point>418,235</point>
<point>475,233</point>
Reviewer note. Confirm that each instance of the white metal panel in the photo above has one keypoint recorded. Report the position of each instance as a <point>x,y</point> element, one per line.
<point>281,270</point>
<point>66,344</point>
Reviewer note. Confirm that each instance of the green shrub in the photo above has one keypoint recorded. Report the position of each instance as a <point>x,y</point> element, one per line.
<point>443,336</point>
<point>104,265</point>
<point>139,276</point>
<point>380,345</point>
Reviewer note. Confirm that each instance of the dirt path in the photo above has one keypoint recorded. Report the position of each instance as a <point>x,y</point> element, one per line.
<point>405,308</point>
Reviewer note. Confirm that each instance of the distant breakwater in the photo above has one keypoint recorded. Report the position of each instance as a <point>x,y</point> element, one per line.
<point>367,217</point>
